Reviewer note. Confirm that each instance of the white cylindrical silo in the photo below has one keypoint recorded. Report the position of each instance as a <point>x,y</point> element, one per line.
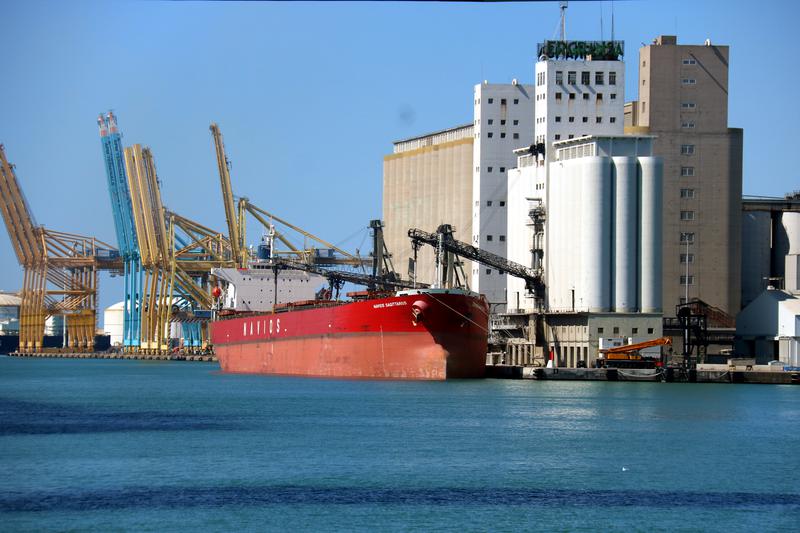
<point>756,253</point>
<point>626,238</point>
<point>652,169</point>
<point>791,225</point>
<point>596,232</point>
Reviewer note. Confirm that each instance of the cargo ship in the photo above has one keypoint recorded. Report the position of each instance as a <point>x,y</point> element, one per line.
<point>417,334</point>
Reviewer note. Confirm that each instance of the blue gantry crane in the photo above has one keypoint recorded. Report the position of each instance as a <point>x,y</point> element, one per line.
<point>124,225</point>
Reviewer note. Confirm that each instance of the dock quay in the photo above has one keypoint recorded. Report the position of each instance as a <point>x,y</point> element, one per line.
<point>115,355</point>
<point>763,374</point>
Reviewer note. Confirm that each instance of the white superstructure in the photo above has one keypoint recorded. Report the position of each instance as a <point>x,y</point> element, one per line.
<point>254,288</point>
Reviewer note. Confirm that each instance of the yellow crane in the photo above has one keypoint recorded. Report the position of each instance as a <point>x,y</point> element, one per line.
<point>60,271</point>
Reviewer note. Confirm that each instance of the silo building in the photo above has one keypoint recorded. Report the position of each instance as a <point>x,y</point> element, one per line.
<point>584,209</point>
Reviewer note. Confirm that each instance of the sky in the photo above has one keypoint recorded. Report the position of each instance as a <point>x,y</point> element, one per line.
<point>310,95</point>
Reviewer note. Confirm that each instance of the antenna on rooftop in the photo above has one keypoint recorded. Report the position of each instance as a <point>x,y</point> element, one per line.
<point>612,20</point>
<point>563,6</point>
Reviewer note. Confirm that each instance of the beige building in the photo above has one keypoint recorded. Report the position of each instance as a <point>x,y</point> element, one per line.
<point>427,181</point>
<point>683,101</point>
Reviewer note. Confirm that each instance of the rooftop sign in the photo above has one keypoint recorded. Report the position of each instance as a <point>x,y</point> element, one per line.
<point>608,50</point>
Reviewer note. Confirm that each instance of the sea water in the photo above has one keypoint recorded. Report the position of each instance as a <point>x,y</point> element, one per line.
<point>109,445</point>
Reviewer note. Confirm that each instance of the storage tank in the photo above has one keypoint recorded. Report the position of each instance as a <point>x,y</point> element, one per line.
<point>112,322</point>
<point>626,238</point>
<point>756,236</point>
<point>596,232</point>
<point>652,169</point>
<point>791,225</point>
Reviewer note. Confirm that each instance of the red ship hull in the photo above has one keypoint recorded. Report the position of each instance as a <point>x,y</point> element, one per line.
<point>415,335</point>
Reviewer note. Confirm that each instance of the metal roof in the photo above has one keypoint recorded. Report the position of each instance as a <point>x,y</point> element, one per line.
<point>9,300</point>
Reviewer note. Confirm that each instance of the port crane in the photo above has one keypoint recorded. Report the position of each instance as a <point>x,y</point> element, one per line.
<point>449,269</point>
<point>630,352</point>
<point>60,271</point>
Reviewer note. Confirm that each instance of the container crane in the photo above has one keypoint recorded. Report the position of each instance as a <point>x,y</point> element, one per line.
<point>60,271</point>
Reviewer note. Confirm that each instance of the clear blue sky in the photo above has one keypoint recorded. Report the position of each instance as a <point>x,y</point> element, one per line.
<point>310,95</point>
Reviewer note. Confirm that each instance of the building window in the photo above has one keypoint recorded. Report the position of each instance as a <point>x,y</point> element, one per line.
<point>502,169</point>
<point>585,77</point>
<point>599,96</point>
<point>687,171</point>
<point>558,96</point>
<point>690,61</point>
<point>687,193</point>
<point>489,238</point>
<point>490,134</point>
<point>687,258</point>
<point>502,203</point>
<point>644,82</point>
<point>598,119</point>
<point>649,331</point>
<point>571,137</point>
<point>491,100</point>
<point>502,238</point>
<point>688,105</point>
<point>558,137</point>
<point>488,271</point>
<point>612,78</point>
<point>572,96</point>
<point>688,81</point>
<point>598,78</point>
<point>488,203</point>
<point>644,106</point>
<point>688,124</point>
<point>490,121</point>
<point>558,119</point>
<point>571,77</point>
<point>515,122</point>
<point>516,101</point>
<point>516,135</point>
<point>687,149</point>
<point>502,101</point>
<point>600,330</point>
<point>634,331</point>
<point>502,122</point>
<point>687,215</point>
<point>613,96</point>
<point>572,119</point>
<point>585,96</point>
<point>502,135</point>
<point>559,77</point>
<point>687,237</point>
<point>612,119</point>
<point>489,169</point>
<point>585,119</point>
<point>687,280</point>
<point>616,330</point>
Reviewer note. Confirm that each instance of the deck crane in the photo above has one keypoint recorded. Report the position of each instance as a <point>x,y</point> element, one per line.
<point>629,354</point>
<point>449,271</point>
<point>60,271</point>
<point>235,224</point>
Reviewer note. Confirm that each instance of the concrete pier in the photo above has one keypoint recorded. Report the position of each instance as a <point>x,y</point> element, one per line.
<point>111,355</point>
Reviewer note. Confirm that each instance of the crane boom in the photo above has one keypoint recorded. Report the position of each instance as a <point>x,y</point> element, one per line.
<point>349,277</point>
<point>227,197</point>
<point>630,348</point>
<point>443,239</point>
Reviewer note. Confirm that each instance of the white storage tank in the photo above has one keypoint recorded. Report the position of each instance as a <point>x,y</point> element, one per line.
<point>652,169</point>
<point>626,245</point>
<point>112,322</point>
<point>596,232</point>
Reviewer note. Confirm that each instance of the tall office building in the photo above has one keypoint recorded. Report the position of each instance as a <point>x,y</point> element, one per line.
<point>683,101</point>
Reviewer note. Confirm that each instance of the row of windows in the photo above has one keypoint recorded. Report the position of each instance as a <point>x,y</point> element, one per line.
<point>503,121</point>
<point>688,105</point>
<point>489,169</point>
<point>598,96</point>
<point>501,238</point>
<point>586,77</point>
<point>502,135</point>
<point>597,120</point>
<point>687,215</point>
<point>615,330</point>
<point>687,193</point>
<point>689,61</point>
<point>687,280</point>
<point>687,124</point>
<point>503,101</point>
<point>489,203</point>
<point>688,81</point>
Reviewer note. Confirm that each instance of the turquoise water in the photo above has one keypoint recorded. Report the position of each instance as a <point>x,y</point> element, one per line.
<point>163,446</point>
